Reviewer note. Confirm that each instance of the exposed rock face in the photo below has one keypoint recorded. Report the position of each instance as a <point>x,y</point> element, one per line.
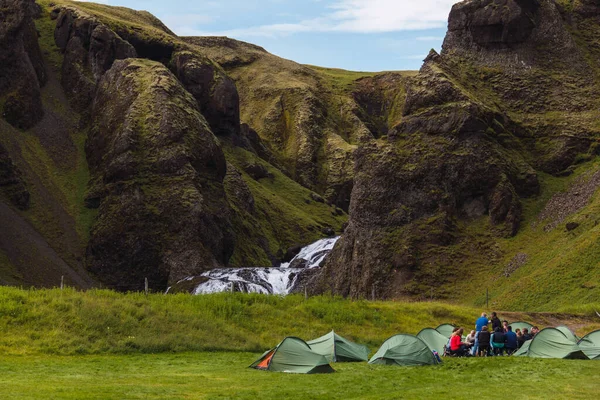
<point>22,69</point>
<point>11,182</point>
<point>90,49</point>
<point>456,154</point>
<point>157,177</point>
<point>215,92</point>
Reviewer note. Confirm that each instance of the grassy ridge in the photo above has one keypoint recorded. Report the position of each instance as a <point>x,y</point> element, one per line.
<point>102,321</point>
<point>225,375</point>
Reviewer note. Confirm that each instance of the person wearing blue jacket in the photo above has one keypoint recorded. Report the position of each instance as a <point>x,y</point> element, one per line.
<point>479,324</point>
<point>511,343</point>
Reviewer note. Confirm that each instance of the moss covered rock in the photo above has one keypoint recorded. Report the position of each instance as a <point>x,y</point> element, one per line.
<point>22,70</point>
<point>157,178</point>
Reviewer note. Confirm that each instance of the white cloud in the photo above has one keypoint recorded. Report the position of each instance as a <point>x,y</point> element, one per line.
<point>360,16</point>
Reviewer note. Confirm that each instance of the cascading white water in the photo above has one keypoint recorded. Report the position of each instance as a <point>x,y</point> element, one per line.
<point>267,280</point>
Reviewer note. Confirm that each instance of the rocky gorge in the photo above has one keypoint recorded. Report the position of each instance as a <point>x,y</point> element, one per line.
<point>136,154</point>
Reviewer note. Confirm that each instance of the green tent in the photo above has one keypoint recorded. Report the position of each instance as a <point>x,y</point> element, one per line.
<point>568,333</point>
<point>551,343</point>
<point>446,329</point>
<point>295,356</point>
<point>435,340</point>
<point>338,349</point>
<point>590,345</point>
<point>404,349</point>
<point>521,325</point>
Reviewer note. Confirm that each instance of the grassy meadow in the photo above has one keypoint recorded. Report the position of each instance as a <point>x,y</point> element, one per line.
<point>225,375</point>
<point>101,344</point>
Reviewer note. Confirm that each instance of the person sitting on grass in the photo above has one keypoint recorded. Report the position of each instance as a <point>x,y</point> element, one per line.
<point>470,339</point>
<point>498,342</point>
<point>526,335</point>
<point>483,337</point>
<point>511,343</point>
<point>457,347</point>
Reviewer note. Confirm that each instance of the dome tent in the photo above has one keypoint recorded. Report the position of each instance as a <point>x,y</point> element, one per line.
<point>446,329</point>
<point>551,343</point>
<point>568,333</point>
<point>406,350</point>
<point>338,349</point>
<point>590,345</point>
<point>293,355</point>
<point>433,339</point>
<point>520,325</point>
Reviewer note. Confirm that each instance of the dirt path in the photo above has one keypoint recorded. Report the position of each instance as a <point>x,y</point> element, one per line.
<point>580,324</point>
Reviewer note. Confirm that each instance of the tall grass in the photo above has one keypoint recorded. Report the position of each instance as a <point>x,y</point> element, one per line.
<point>102,321</point>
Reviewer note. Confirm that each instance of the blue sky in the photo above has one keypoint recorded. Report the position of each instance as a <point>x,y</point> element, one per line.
<point>360,35</point>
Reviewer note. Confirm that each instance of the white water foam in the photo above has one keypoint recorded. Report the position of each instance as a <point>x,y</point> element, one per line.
<point>278,281</point>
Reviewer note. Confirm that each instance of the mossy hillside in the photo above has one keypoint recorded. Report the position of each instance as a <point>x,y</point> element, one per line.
<point>8,273</point>
<point>55,169</point>
<point>120,19</point>
<point>66,181</point>
<point>306,115</point>
<point>561,268</point>
<point>285,214</point>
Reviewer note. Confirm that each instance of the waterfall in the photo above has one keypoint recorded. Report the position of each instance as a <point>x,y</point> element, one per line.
<point>280,281</point>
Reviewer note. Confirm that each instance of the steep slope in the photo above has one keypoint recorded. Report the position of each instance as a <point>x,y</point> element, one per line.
<point>311,119</point>
<point>512,97</point>
<point>43,177</point>
<point>135,219</point>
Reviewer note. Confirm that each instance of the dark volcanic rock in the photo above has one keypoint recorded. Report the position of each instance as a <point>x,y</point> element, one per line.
<point>215,92</point>
<point>446,160</point>
<point>157,173</point>
<point>11,181</point>
<point>90,49</point>
<point>22,69</point>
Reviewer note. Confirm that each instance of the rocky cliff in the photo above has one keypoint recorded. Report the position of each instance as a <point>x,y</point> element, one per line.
<point>127,153</point>
<point>168,184</point>
<point>513,94</point>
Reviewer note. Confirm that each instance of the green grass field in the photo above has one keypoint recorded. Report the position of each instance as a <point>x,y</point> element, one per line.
<point>222,375</point>
<point>105,345</point>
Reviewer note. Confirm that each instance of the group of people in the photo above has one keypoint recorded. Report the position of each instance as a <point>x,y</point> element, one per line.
<point>483,341</point>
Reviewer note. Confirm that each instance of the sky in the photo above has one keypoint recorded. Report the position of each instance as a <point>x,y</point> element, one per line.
<point>359,35</point>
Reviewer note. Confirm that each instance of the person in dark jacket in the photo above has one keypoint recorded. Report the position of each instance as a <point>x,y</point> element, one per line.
<point>483,338</point>
<point>511,343</point>
<point>498,341</point>
<point>496,323</point>
<point>520,338</point>
<point>526,335</point>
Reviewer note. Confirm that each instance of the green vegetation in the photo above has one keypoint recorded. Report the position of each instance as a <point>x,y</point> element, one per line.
<point>285,214</point>
<point>70,322</point>
<point>99,321</point>
<point>226,375</point>
<point>341,80</point>
<point>561,266</point>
